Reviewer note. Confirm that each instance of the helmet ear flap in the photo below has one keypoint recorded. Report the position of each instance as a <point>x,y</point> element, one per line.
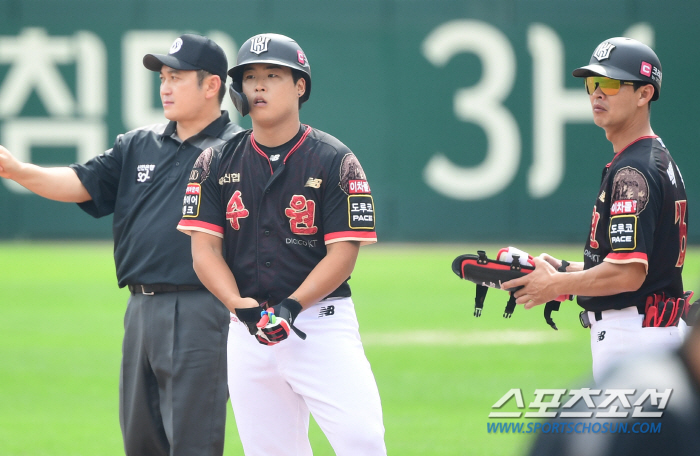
<point>240,101</point>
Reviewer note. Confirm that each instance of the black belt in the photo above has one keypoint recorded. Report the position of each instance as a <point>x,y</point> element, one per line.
<point>161,288</point>
<point>585,319</point>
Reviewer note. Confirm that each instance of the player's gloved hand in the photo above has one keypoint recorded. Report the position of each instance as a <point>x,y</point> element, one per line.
<point>278,321</point>
<point>250,317</point>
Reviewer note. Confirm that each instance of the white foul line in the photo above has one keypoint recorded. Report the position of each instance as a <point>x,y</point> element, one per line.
<point>471,338</point>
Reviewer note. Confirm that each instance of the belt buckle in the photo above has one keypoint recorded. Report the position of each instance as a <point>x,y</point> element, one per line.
<point>583,318</point>
<point>143,291</point>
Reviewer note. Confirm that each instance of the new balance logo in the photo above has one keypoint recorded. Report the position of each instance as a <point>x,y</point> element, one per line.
<point>313,183</point>
<point>601,336</point>
<point>326,311</point>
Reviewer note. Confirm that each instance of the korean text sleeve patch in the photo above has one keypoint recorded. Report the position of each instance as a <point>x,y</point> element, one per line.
<point>361,212</point>
<point>193,195</point>
<point>201,206</point>
<point>348,213</point>
<point>623,233</point>
<point>633,214</point>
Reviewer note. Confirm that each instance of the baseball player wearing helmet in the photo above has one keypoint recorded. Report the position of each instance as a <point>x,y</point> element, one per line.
<point>629,283</point>
<point>290,206</point>
<point>173,376</point>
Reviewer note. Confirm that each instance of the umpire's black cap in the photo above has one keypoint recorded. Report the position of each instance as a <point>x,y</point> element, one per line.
<point>191,52</point>
<point>624,59</point>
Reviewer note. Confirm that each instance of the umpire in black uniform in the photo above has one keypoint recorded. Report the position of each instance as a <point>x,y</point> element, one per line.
<point>173,376</point>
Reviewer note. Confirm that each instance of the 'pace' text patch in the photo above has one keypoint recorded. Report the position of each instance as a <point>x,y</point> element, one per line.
<point>623,232</point>
<point>361,212</point>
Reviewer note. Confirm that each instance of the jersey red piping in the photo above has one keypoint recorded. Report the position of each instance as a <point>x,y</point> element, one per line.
<point>355,234</point>
<point>301,140</point>
<point>263,154</point>
<point>296,146</point>
<point>625,148</point>
<point>200,224</point>
<point>628,256</point>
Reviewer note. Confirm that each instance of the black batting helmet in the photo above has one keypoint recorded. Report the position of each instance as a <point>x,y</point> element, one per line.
<point>267,48</point>
<point>624,59</point>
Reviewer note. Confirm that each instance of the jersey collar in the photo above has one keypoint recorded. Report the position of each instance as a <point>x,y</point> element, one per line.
<point>291,151</point>
<point>627,147</point>
<point>213,129</point>
<point>217,126</point>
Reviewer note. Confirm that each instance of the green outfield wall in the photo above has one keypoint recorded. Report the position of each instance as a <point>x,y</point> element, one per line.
<point>464,114</point>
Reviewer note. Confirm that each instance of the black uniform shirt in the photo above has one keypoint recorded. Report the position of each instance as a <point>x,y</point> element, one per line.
<point>141,180</point>
<point>276,225</point>
<point>641,215</point>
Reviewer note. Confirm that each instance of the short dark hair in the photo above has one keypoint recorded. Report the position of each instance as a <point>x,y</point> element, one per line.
<point>201,74</point>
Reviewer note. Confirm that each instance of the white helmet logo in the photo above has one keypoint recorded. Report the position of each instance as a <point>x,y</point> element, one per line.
<point>602,52</point>
<point>258,44</point>
<point>177,44</point>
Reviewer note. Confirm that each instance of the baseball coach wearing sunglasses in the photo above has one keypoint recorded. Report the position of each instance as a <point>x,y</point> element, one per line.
<point>629,283</point>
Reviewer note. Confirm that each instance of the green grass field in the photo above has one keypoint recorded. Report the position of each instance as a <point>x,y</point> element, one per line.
<point>438,368</point>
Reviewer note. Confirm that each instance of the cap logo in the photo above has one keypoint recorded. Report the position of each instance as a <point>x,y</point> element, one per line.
<point>645,70</point>
<point>603,50</point>
<point>177,44</point>
<point>258,44</point>
<point>301,58</point>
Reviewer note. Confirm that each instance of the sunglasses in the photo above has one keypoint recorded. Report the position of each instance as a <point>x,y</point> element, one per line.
<point>607,86</point>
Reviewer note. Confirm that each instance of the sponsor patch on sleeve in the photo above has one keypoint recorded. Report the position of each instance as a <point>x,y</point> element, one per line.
<point>629,184</point>
<point>350,171</point>
<point>202,166</point>
<point>358,186</point>
<point>623,232</point>
<point>193,194</point>
<point>623,207</point>
<point>361,212</point>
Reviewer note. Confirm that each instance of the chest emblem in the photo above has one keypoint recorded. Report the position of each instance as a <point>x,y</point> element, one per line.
<point>236,210</point>
<point>229,178</point>
<point>144,173</point>
<point>301,213</point>
<point>313,183</point>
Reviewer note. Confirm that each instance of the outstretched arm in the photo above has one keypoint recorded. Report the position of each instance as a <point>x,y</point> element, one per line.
<point>59,184</point>
<point>545,283</point>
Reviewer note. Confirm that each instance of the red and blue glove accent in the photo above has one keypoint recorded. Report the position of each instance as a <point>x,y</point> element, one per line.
<point>277,322</point>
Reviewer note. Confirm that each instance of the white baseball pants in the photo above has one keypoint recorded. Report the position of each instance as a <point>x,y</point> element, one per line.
<point>620,334</point>
<point>273,388</point>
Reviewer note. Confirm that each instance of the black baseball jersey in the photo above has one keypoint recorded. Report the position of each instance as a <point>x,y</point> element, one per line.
<point>640,215</point>
<point>276,224</point>
<point>141,180</point>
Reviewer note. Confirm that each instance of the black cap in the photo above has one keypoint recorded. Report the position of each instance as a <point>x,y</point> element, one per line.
<point>624,59</point>
<point>191,52</point>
